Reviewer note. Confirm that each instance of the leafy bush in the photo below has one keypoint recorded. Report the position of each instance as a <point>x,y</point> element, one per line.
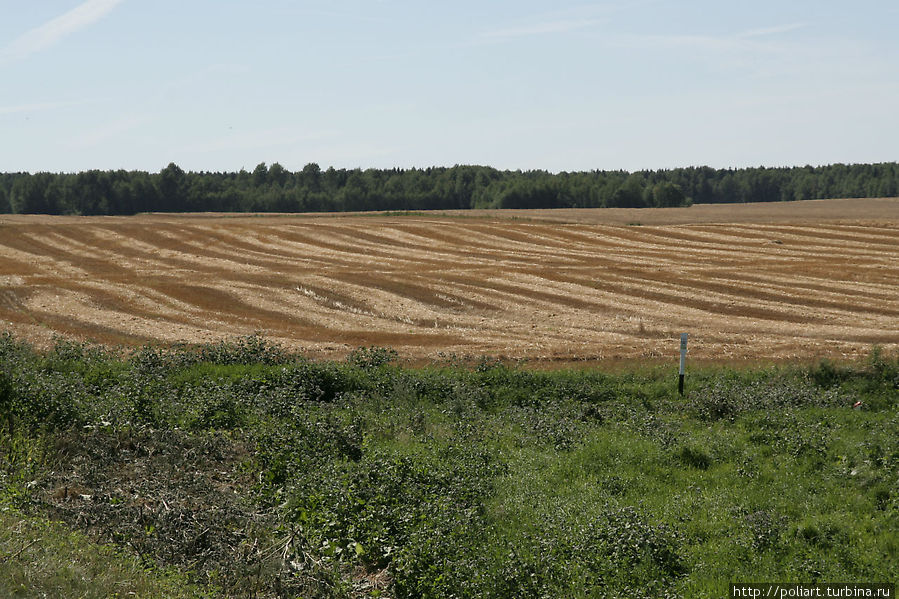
<point>375,506</point>
<point>614,553</point>
<point>884,368</point>
<point>880,371</point>
<point>49,400</point>
<point>725,397</point>
<point>214,406</point>
<point>765,529</point>
<point>252,349</point>
<point>371,357</point>
<point>559,425</point>
<point>7,402</point>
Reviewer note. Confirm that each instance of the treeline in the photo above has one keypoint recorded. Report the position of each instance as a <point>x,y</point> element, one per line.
<point>276,189</point>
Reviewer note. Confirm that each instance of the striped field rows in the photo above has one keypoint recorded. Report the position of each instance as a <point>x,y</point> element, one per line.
<point>427,285</point>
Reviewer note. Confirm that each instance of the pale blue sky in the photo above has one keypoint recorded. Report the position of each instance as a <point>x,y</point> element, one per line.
<point>524,84</point>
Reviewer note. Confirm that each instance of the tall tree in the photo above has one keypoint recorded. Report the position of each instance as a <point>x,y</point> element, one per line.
<point>667,194</point>
<point>172,186</point>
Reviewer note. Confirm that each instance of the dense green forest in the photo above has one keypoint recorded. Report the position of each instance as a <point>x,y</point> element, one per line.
<point>276,189</point>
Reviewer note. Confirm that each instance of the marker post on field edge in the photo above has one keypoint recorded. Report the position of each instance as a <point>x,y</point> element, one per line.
<point>683,361</point>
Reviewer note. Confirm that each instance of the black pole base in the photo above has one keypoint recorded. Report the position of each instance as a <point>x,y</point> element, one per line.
<point>680,384</point>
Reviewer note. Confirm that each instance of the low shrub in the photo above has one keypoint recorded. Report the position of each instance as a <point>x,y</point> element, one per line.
<point>725,398</point>
<point>371,357</point>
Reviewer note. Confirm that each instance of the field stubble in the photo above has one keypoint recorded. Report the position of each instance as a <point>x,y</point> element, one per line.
<point>749,282</point>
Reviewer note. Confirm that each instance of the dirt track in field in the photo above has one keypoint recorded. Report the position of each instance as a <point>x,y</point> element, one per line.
<point>748,282</point>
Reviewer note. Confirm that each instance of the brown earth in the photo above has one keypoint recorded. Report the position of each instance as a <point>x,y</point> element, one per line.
<point>760,282</point>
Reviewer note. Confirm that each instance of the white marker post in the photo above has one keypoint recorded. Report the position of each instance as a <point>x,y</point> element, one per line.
<point>683,362</point>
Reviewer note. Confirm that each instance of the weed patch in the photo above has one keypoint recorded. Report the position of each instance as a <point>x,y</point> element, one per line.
<point>238,469</point>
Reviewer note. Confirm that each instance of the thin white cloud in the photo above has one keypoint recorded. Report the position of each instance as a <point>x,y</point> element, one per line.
<point>36,107</point>
<point>51,32</point>
<point>770,52</point>
<point>551,27</point>
<point>108,131</point>
<point>775,30</point>
<point>256,140</point>
<point>745,40</point>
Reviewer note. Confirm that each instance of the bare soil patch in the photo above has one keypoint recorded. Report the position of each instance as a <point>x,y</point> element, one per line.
<point>749,282</point>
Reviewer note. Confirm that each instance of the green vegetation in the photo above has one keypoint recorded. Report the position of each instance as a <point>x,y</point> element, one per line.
<point>275,189</point>
<point>241,469</point>
<point>44,559</point>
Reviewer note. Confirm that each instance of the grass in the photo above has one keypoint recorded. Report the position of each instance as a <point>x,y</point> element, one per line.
<point>238,469</point>
<point>39,558</point>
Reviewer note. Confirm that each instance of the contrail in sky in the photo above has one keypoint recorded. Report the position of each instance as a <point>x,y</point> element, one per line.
<point>44,36</point>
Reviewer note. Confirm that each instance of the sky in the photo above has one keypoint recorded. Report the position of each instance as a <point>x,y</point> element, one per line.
<point>220,85</point>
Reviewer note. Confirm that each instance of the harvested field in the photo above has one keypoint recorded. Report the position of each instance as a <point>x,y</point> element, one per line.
<point>749,282</point>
